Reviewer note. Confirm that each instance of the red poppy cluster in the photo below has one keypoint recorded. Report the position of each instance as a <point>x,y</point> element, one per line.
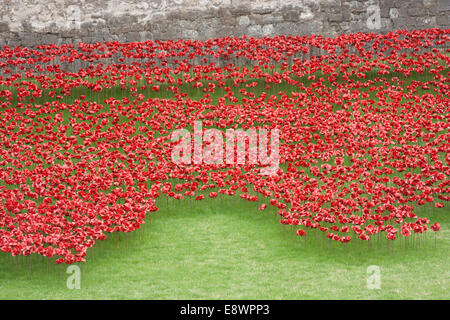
<point>85,133</point>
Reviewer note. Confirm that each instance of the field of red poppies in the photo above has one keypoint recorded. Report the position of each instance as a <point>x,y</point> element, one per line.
<point>86,146</point>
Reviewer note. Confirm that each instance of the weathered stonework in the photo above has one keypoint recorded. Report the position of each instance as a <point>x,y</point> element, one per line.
<point>31,22</point>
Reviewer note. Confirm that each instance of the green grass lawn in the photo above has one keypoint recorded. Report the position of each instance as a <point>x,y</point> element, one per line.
<point>227,249</point>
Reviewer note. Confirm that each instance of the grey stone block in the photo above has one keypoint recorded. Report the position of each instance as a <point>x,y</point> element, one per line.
<point>290,15</point>
<point>444,5</point>
<point>133,36</point>
<point>266,18</point>
<point>336,17</point>
<point>416,10</point>
<point>4,26</point>
<point>240,11</point>
<point>442,20</point>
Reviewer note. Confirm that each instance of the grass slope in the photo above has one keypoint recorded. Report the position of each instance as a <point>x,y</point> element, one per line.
<point>227,249</point>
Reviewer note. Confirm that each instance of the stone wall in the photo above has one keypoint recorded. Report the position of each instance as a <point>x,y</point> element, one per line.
<point>31,22</point>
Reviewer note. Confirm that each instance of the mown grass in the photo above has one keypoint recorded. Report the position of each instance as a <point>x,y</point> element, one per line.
<point>227,249</point>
